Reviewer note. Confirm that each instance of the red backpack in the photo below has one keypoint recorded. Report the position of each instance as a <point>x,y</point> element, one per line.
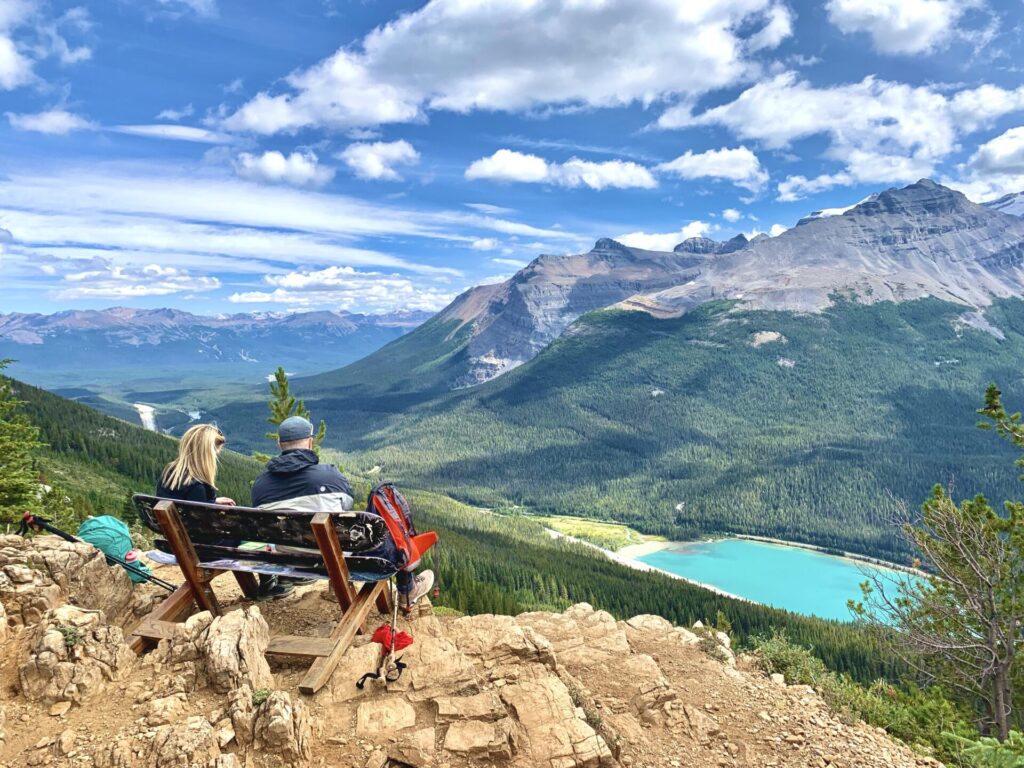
<point>388,502</point>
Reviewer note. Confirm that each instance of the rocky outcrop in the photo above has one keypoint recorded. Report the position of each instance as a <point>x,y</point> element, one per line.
<point>225,652</point>
<point>43,573</point>
<point>73,657</point>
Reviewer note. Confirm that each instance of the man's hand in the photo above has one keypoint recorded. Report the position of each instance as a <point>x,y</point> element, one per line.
<point>226,501</point>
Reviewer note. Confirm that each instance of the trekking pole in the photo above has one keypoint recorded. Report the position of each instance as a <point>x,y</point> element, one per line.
<point>35,522</point>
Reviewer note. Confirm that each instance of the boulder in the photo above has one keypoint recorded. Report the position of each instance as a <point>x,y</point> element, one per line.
<point>282,728</point>
<point>234,647</point>
<point>190,744</point>
<point>483,706</point>
<point>551,729</point>
<point>499,640</point>
<point>416,748</point>
<point>166,709</point>
<point>74,654</point>
<point>581,635</point>
<point>475,738</point>
<point>378,718</point>
<point>39,574</point>
<point>647,622</point>
<point>224,652</point>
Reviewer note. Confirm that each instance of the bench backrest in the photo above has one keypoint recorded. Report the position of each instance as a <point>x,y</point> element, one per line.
<point>217,524</point>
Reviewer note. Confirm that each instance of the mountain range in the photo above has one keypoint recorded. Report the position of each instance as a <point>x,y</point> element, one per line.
<point>783,386</point>
<point>145,344</point>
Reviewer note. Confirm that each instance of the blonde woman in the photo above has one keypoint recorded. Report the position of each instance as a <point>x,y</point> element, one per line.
<point>192,476</point>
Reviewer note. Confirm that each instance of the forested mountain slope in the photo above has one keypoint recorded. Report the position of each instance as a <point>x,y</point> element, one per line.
<point>726,419</point>
<point>486,563</point>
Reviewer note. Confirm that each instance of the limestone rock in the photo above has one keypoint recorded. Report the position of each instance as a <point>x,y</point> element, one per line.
<point>73,656</point>
<point>378,718</point>
<point>39,574</point>
<point>581,635</point>
<point>235,645</point>
<point>700,724</point>
<point>475,738</point>
<point>4,630</point>
<point>225,652</point>
<point>190,744</point>
<point>415,749</point>
<point>499,640</point>
<point>483,706</point>
<point>282,727</point>
<point>551,730</point>
<point>167,709</point>
<point>649,623</point>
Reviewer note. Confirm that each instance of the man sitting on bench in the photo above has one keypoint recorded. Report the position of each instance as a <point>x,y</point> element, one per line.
<point>297,480</point>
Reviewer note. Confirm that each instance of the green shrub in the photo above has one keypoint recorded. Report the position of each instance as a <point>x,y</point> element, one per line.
<point>923,718</point>
<point>990,753</point>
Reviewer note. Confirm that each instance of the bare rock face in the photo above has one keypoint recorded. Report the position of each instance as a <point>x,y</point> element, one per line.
<point>278,725</point>
<point>551,731</point>
<point>191,744</point>
<point>39,574</point>
<point>74,655</point>
<point>4,630</point>
<point>235,646</point>
<point>225,652</point>
<point>282,727</point>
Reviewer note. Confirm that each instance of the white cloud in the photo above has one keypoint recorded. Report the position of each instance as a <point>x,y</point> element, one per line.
<point>15,69</point>
<point>731,214</point>
<point>300,169</point>
<point>996,168</point>
<point>510,262</point>
<point>666,241</point>
<point>175,133</point>
<point>1002,155</point>
<point>777,229</point>
<point>55,122</point>
<point>488,208</point>
<point>879,131</point>
<point>109,281</point>
<point>376,161</point>
<point>176,114</point>
<point>509,165</point>
<point>778,28</point>
<point>511,55</point>
<point>45,39</point>
<point>347,288</point>
<point>900,26</point>
<point>200,221</point>
<point>485,244</point>
<point>740,166</point>
<point>206,8</point>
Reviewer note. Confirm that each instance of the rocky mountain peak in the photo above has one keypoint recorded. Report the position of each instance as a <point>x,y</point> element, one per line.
<point>924,198</point>
<point>607,244</point>
<point>698,245</point>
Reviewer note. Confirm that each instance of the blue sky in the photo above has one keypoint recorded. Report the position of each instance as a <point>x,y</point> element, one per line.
<point>249,155</point>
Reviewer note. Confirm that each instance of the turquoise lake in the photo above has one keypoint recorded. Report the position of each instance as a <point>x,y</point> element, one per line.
<point>796,579</point>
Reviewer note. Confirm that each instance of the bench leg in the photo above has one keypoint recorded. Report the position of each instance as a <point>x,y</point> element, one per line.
<point>177,537</point>
<point>174,607</point>
<point>321,670</point>
<point>248,582</point>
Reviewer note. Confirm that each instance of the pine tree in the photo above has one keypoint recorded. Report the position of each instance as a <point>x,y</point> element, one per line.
<point>961,626</point>
<point>283,404</point>
<point>19,439</point>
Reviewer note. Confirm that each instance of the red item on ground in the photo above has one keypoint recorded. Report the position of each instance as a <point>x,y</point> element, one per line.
<point>385,635</point>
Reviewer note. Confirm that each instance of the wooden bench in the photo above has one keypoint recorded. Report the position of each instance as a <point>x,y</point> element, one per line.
<point>206,539</point>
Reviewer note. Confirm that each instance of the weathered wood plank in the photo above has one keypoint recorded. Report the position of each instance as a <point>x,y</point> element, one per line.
<point>249,584</point>
<point>334,559</point>
<point>171,525</point>
<point>322,669</point>
<point>177,606</point>
<point>296,645</point>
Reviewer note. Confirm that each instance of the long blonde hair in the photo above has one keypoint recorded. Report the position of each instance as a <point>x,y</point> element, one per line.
<point>197,457</point>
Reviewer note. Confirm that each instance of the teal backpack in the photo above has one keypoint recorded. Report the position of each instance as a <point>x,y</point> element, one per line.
<point>111,537</point>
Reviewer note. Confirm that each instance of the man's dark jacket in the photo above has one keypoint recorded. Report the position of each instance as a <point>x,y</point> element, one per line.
<point>297,480</point>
